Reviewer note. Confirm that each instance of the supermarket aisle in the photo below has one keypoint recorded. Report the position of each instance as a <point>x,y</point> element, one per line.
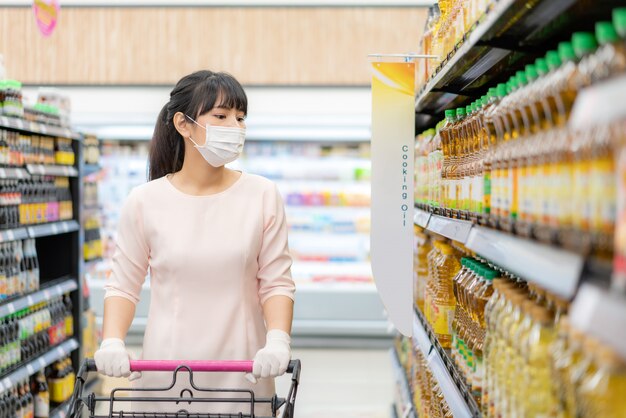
<point>336,383</point>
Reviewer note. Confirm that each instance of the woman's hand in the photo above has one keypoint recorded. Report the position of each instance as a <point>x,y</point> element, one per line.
<point>113,360</point>
<point>273,359</point>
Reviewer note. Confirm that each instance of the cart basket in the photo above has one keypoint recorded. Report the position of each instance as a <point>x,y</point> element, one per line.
<point>204,396</point>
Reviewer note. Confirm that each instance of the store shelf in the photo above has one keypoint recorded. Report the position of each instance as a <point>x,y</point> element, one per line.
<point>38,231</point>
<point>602,314</point>
<point>13,173</point>
<point>458,397</point>
<point>90,169</point>
<point>40,363</point>
<point>421,218</point>
<point>406,409</point>
<point>13,234</point>
<point>60,288</point>
<point>54,228</point>
<point>52,170</point>
<point>554,269</point>
<point>509,36</point>
<point>36,128</point>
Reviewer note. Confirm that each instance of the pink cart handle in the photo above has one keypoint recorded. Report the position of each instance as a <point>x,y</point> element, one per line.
<point>194,365</point>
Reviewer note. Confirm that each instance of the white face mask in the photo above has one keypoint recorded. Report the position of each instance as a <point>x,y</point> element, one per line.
<point>222,145</point>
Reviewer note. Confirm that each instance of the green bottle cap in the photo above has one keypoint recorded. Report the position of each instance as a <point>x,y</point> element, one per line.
<point>584,43</point>
<point>541,65</point>
<point>474,107</point>
<point>460,111</point>
<point>605,33</point>
<point>619,21</point>
<point>501,90</point>
<point>531,73</point>
<point>521,78</point>
<point>553,59</point>
<point>468,109</point>
<point>566,52</point>
<point>492,91</point>
<point>450,114</point>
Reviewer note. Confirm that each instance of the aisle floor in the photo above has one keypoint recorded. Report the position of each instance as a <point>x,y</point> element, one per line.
<point>337,383</point>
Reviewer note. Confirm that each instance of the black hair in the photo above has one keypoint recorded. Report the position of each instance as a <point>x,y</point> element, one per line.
<point>194,95</point>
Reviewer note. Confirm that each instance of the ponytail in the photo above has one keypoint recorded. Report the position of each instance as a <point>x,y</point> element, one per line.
<point>193,96</point>
<point>167,148</point>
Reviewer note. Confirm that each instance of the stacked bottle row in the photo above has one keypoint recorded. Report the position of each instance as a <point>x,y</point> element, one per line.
<point>11,98</point>
<point>510,160</point>
<point>35,201</point>
<point>30,332</point>
<point>537,364</point>
<point>447,23</point>
<point>90,194</point>
<point>511,340</point>
<point>40,394</point>
<point>18,149</point>
<point>427,397</point>
<point>19,268</point>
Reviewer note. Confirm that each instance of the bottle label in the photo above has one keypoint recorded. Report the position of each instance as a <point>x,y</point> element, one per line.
<point>603,192</point>
<point>487,192</point>
<point>42,405</point>
<point>582,207</point>
<point>442,318</point>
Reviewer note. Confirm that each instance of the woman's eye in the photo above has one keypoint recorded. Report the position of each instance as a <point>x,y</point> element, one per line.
<point>242,120</point>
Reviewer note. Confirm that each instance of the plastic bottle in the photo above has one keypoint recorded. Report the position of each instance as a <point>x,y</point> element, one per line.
<point>443,302</point>
<point>602,392</point>
<point>449,161</point>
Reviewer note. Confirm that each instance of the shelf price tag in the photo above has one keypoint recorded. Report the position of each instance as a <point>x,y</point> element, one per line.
<point>44,129</point>
<point>30,369</point>
<point>65,226</point>
<point>55,229</point>
<point>6,383</point>
<point>42,362</point>
<point>10,235</point>
<point>30,300</point>
<point>20,124</point>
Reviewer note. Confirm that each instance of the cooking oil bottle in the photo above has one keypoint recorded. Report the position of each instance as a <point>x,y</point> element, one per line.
<point>540,401</point>
<point>449,158</point>
<point>602,393</point>
<point>420,270</point>
<point>433,259</point>
<point>443,303</point>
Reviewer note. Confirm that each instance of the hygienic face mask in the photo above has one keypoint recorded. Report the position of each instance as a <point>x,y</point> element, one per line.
<point>222,145</point>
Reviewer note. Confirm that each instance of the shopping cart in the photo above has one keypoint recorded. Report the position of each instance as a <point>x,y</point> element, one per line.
<point>210,396</point>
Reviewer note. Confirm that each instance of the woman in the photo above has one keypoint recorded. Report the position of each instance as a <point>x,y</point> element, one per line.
<point>215,241</point>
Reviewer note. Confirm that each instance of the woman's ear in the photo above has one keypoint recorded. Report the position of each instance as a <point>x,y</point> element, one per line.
<point>181,124</point>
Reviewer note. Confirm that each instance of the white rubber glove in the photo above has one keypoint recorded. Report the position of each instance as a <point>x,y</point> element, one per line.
<point>273,359</point>
<point>113,360</point>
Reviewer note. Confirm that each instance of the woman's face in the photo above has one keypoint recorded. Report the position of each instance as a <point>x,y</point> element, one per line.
<point>218,116</point>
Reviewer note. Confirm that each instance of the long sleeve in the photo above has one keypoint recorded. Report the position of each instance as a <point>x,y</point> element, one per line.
<point>274,259</point>
<point>130,261</point>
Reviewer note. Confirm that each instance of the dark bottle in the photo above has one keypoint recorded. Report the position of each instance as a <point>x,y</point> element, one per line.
<point>41,396</point>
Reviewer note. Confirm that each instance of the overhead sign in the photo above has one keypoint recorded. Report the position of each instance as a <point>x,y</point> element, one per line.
<point>46,15</point>
<point>393,139</point>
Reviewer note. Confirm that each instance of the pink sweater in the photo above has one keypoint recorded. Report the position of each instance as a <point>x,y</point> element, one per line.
<point>214,260</point>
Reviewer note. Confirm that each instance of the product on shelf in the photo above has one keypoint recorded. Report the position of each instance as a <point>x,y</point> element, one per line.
<point>93,244</point>
<point>90,334</point>
<point>90,195</point>
<point>439,301</point>
<point>35,201</point>
<point>448,22</point>
<point>43,113</point>
<point>427,397</point>
<point>61,379</point>
<point>11,98</point>
<point>18,149</point>
<point>64,154</point>
<point>510,159</point>
<point>41,394</point>
<point>19,268</point>
<point>91,150</point>
<point>29,332</point>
